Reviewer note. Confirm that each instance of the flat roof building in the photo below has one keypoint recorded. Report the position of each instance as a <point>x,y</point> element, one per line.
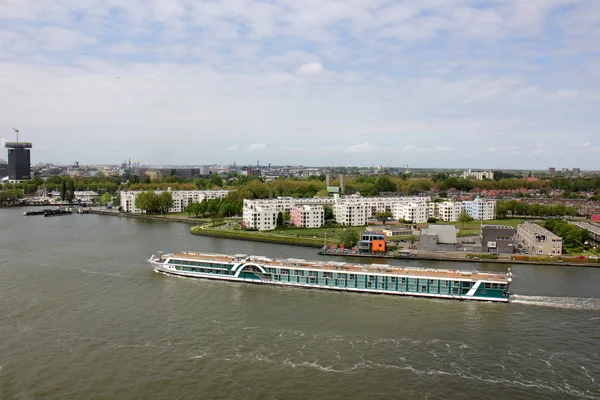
<point>498,239</point>
<point>539,240</point>
<point>19,161</point>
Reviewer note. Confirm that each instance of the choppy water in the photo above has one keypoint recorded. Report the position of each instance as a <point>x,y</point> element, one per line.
<point>83,316</point>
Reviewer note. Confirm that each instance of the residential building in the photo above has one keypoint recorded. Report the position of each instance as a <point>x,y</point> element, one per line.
<point>481,209</point>
<point>371,242</point>
<point>448,211</point>
<point>551,170</point>
<point>576,171</point>
<point>539,240</point>
<point>478,174</point>
<point>498,239</point>
<point>353,214</point>
<point>263,218</point>
<point>414,212</point>
<point>307,216</point>
<point>181,198</point>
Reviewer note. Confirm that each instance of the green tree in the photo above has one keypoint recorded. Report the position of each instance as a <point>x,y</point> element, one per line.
<point>384,184</point>
<point>464,218</point>
<point>349,237</point>
<point>279,219</point>
<point>383,215</point>
<point>287,216</point>
<point>165,202</point>
<point>329,216</point>
<point>147,202</point>
<point>216,180</point>
<point>63,190</point>
<point>105,198</point>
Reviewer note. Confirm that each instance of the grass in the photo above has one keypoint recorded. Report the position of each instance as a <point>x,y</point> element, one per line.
<point>313,236</point>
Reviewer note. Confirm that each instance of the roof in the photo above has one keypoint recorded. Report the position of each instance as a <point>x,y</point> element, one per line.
<point>495,226</point>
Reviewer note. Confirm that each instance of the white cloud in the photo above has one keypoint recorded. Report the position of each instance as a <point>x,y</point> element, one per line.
<point>257,147</point>
<point>232,70</point>
<point>311,69</point>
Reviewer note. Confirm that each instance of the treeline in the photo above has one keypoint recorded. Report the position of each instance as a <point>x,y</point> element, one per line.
<point>215,208</point>
<point>55,182</point>
<point>10,196</point>
<point>515,208</point>
<point>153,203</point>
<point>574,238</point>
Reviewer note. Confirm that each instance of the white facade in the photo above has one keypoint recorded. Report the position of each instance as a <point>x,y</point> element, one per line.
<point>447,211</point>
<point>263,218</point>
<point>481,209</point>
<point>414,212</point>
<point>181,198</point>
<point>478,174</point>
<point>352,214</point>
<point>308,216</point>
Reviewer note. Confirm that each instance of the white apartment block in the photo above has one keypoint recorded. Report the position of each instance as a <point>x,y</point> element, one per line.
<point>353,214</point>
<point>478,174</point>
<point>539,240</point>
<point>481,209</point>
<point>263,218</point>
<point>286,203</point>
<point>308,216</point>
<point>414,212</point>
<point>181,198</point>
<point>446,211</point>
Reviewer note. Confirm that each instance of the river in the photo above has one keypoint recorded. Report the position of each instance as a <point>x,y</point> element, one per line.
<point>83,316</point>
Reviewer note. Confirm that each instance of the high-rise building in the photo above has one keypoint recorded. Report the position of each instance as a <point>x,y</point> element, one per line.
<point>576,171</point>
<point>551,170</point>
<point>19,161</point>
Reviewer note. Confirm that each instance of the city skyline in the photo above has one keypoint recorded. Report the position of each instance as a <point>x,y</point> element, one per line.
<point>428,84</point>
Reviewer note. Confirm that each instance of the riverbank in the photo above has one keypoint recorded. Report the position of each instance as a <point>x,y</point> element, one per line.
<point>256,236</point>
<point>167,218</point>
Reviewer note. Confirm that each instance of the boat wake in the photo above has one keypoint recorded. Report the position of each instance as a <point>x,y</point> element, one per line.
<point>574,303</point>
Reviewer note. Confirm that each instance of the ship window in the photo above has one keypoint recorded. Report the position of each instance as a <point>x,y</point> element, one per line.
<point>393,279</point>
<point>312,280</point>
<point>423,288</point>
<point>351,277</point>
<point>487,285</point>
<point>371,277</point>
<point>369,284</point>
<point>300,273</point>
<point>403,280</point>
<point>494,286</point>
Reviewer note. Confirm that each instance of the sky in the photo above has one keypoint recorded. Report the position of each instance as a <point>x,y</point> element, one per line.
<point>425,83</point>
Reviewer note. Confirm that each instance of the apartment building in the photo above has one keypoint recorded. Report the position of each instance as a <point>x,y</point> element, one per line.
<point>446,211</point>
<point>481,209</point>
<point>307,216</point>
<point>181,198</point>
<point>263,218</point>
<point>478,174</point>
<point>539,240</point>
<point>352,214</point>
<point>414,212</point>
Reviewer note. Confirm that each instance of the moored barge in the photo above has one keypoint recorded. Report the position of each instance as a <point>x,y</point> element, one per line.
<point>341,276</point>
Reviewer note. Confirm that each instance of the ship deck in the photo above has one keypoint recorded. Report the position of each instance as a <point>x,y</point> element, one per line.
<point>348,267</point>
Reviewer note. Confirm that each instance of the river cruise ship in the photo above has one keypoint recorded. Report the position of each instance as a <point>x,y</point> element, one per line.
<point>342,276</point>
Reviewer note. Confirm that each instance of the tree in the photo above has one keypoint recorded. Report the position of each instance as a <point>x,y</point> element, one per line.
<point>165,202</point>
<point>279,219</point>
<point>216,180</point>
<point>70,191</point>
<point>384,184</point>
<point>329,216</point>
<point>501,209</point>
<point>349,237</point>
<point>287,216</point>
<point>63,190</point>
<point>464,218</point>
<point>105,198</point>
<point>383,215</point>
<point>148,202</point>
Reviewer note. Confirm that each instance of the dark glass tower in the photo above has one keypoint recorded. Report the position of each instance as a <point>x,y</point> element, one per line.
<point>19,161</point>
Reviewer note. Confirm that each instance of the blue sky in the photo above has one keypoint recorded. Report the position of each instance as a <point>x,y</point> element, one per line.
<point>429,83</point>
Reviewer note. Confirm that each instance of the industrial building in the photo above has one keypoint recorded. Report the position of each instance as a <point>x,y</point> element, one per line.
<point>438,238</point>
<point>371,243</point>
<point>498,239</point>
<point>539,240</point>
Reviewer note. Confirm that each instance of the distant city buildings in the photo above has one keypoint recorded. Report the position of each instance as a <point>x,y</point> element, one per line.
<point>551,170</point>
<point>478,174</point>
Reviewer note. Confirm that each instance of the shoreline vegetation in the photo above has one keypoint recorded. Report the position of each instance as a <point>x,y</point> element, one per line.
<point>325,236</point>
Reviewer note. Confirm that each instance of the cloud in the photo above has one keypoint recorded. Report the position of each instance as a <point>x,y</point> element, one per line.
<point>237,72</point>
<point>257,147</point>
<point>311,69</point>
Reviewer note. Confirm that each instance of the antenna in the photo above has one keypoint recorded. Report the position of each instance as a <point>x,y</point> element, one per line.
<point>17,131</point>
